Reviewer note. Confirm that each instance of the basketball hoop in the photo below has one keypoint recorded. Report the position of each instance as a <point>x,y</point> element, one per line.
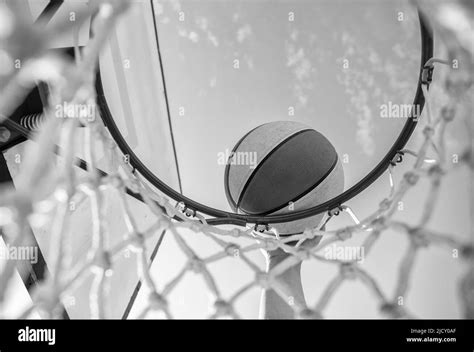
<point>221,217</point>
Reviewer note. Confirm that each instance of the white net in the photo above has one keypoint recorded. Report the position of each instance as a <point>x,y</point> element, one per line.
<point>34,199</point>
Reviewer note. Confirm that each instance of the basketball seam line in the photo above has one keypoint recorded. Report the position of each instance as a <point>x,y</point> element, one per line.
<point>300,196</point>
<point>227,169</point>
<point>260,164</point>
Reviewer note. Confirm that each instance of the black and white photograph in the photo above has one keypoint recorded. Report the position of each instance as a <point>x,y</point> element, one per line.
<point>251,160</point>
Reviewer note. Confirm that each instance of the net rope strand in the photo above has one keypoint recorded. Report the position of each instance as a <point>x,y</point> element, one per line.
<point>99,263</point>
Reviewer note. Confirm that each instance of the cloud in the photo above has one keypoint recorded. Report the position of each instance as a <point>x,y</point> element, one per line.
<point>399,51</point>
<point>194,37</point>
<point>213,82</point>
<point>183,33</point>
<point>374,58</point>
<point>294,35</point>
<point>358,85</point>
<point>360,109</point>
<point>236,17</point>
<point>176,5</point>
<point>158,8</point>
<point>243,33</point>
<point>203,24</point>
<point>213,39</point>
<point>301,69</point>
<point>249,61</point>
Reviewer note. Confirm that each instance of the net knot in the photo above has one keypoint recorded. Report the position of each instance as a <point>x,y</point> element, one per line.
<point>428,132</point>
<point>232,250</point>
<point>138,241</point>
<point>235,233</point>
<point>385,204</point>
<point>436,171</point>
<point>418,238</point>
<point>157,302</point>
<point>103,260</point>
<point>309,234</point>
<point>467,251</point>
<point>467,293</point>
<point>467,157</point>
<point>195,226</point>
<point>379,223</point>
<point>270,245</point>
<point>196,265</point>
<point>392,310</point>
<point>116,181</point>
<point>5,134</point>
<point>448,113</point>
<point>344,234</point>
<point>223,308</point>
<point>309,314</point>
<point>458,82</point>
<point>304,253</point>
<point>411,178</point>
<point>348,271</point>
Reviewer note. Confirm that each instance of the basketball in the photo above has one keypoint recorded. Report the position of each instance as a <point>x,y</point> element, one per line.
<point>281,167</point>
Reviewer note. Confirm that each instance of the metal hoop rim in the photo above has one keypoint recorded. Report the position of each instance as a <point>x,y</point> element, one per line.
<point>224,217</point>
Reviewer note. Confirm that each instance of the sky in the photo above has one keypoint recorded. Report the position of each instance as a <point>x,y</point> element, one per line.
<point>233,65</point>
<point>247,63</point>
<point>334,63</point>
